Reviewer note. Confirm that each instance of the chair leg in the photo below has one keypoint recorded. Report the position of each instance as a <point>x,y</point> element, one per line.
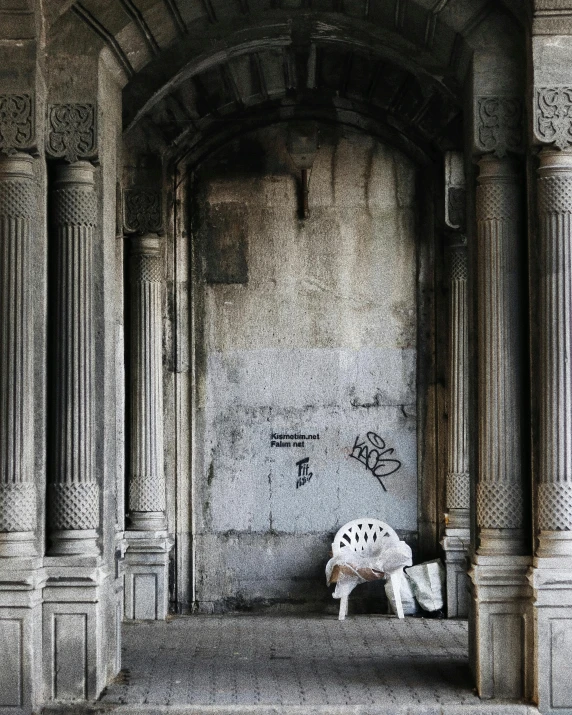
<point>396,586</point>
<point>343,607</point>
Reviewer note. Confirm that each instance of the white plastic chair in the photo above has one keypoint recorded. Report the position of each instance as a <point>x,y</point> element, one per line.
<point>364,536</point>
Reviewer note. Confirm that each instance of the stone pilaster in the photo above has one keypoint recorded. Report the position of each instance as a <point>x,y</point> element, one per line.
<point>457,537</point>
<point>18,507</point>
<point>551,575</point>
<point>500,622</point>
<point>148,544</point>
<point>73,515</point>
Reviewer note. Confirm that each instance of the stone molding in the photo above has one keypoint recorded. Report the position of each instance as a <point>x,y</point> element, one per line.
<point>499,125</point>
<point>72,131</point>
<point>146,480</point>
<point>17,125</point>
<point>18,208</point>
<point>500,512</point>
<point>143,211</point>
<point>74,490</point>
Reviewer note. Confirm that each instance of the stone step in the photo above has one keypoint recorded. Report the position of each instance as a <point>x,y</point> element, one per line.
<point>482,708</point>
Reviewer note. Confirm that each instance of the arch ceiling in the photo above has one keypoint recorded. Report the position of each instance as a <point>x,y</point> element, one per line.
<point>392,66</point>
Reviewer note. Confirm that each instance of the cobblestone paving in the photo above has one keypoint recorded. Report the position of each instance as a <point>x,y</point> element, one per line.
<point>230,662</point>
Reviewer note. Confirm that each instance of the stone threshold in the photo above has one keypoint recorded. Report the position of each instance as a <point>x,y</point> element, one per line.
<point>483,708</point>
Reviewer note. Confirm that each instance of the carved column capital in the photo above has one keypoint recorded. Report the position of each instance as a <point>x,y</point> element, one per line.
<point>142,211</point>
<point>17,125</point>
<point>499,125</point>
<point>72,131</point>
<point>552,115</point>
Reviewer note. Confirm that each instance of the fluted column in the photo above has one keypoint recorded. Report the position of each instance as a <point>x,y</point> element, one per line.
<point>458,486</point>
<point>500,504</point>
<point>18,208</point>
<point>457,536</point>
<point>554,496</point>
<point>73,489</point>
<point>147,481</point>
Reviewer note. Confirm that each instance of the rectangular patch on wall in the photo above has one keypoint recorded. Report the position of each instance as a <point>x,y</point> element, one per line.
<point>226,244</point>
<point>70,656</point>
<point>560,649</point>
<point>11,670</point>
<point>508,654</point>
<point>145,596</point>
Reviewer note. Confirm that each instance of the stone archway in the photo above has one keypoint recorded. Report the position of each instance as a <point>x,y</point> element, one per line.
<point>119,101</point>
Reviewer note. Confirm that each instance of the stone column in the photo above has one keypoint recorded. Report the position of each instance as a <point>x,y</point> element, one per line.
<point>73,489</point>
<point>554,496</point>
<point>148,545</point>
<point>551,576</point>
<point>500,618</point>
<point>147,480</point>
<point>18,208</point>
<point>500,515</point>
<point>457,537</point>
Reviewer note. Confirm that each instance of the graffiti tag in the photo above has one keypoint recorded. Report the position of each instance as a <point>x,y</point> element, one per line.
<point>304,475</point>
<point>374,455</point>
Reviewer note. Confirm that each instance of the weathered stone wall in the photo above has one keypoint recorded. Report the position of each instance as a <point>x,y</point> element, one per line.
<point>304,327</point>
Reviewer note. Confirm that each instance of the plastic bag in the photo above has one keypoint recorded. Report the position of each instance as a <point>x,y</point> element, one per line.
<point>428,584</point>
<point>407,596</point>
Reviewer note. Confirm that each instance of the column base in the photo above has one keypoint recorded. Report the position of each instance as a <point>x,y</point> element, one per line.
<point>455,544</point>
<point>551,581</point>
<point>502,542</point>
<point>19,544</point>
<point>74,543</point>
<point>147,521</point>
<point>79,635</point>
<point>146,569</point>
<point>500,627</point>
<point>554,543</point>
<point>21,635</point>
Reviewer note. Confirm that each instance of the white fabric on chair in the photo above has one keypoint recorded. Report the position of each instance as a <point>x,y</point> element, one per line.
<point>366,550</point>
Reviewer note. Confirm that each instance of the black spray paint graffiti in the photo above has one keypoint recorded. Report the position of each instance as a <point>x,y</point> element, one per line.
<point>373,454</point>
<point>304,475</point>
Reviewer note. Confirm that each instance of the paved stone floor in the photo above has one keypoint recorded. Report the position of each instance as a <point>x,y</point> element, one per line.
<point>298,665</point>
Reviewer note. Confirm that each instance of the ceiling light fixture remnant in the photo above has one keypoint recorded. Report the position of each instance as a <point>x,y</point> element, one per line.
<point>302,144</point>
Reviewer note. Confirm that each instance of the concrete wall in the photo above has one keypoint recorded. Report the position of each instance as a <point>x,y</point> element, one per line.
<point>303,327</point>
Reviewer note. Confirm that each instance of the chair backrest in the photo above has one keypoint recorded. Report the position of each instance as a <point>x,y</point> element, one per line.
<point>362,535</point>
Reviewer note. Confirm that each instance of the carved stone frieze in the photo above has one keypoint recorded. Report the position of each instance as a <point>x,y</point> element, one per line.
<point>72,131</point>
<point>500,126</point>
<point>142,211</point>
<point>553,115</point>
<point>16,123</point>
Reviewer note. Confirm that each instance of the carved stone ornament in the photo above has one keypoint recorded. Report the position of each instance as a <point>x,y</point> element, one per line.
<point>72,133</point>
<point>456,208</point>
<point>499,125</point>
<point>16,122</point>
<point>553,116</point>
<point>142,211</point>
